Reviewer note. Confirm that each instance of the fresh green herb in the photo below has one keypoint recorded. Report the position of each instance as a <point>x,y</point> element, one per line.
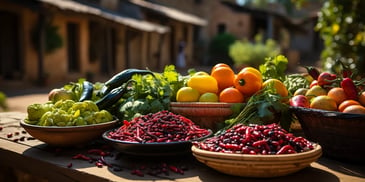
<point>274,67</point>
<point>150,94</point>
<point>264,107</point>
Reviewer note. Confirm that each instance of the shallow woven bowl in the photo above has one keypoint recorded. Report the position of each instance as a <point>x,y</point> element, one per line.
<point>341,135</point>
<point>67,136</point>
<point>205,114</point>
<point>260,166</point>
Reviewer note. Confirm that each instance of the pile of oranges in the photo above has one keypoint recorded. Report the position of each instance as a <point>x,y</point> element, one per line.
<point>224,85</point>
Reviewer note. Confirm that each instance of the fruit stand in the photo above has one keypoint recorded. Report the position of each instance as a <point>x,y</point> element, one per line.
<point>222,125</point>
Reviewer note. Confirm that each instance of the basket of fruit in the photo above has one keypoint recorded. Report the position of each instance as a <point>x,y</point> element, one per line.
<point>210,99</point>
<point>331,112</point>
<point>340,134</point>
<point>261,151</point>
<point>205,114</point>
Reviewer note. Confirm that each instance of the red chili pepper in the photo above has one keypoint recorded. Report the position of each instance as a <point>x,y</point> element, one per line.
<point>326,78</point>
<point>81,156</point>
<point>350,89</point>
<point>285,149</point>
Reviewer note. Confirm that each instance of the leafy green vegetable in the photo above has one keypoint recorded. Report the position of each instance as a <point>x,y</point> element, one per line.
<point>274,67</point>
<point>264,107</point>
<point>150,94</point>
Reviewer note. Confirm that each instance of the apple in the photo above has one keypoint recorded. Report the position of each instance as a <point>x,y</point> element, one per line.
<point>299,101</point>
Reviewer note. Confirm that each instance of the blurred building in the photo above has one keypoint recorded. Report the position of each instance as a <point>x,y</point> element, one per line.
<point>294,31</point>
<point>62,40</point>
<point>48,41</point>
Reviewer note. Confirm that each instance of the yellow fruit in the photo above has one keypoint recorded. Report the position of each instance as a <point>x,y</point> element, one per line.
<point>203,83</point>
<point>208,97</point>
<point>301,91</point>
<point>315,91</point>
<point>308,77</point>
<point>187,94</point>
<point>200,73</point>
<point>323,102</point>
<point>277,85</point>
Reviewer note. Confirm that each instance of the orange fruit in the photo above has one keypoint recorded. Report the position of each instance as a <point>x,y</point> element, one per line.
<point>253,70</point>
<point>277,85</point>
<point>219,65</point>
<point>337,94</point>
<point>346,104</point>
<point>323,102</point>
<point>231,95</point>
<point>224,76</point>
<point>362,98</point>
<point>355,109</point>
<point>248,82</point>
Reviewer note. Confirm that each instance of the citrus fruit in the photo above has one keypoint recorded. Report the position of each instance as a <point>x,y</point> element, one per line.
<point>253,70</point>
<point>203,83</point>
<point>301,91</point>
<point>315,91</point>
<point>337,94</point>
<point>219,65</point>
<point>346,104</point>
<point>187,94</point>
<point>277,85</point>
<point>231,95</point>
<point>200,73</point>
<point>224,76</point>
<point>323,102</point>
<point>355,109</point>
<point>208,97</point>
<point>362,98</point>
<point>247,82</point>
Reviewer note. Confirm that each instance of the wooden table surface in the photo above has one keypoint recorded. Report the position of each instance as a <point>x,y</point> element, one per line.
<point>23,158</point>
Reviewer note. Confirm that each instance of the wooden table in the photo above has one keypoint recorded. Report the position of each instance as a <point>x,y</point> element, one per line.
<point>23,158</point>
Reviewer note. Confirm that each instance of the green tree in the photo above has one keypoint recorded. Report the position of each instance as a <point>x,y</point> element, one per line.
<point>341,24</point>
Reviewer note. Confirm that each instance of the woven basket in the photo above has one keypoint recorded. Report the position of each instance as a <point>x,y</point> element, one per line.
<point>341,135</point>
<point>205,114</point>
<point>259,166</point>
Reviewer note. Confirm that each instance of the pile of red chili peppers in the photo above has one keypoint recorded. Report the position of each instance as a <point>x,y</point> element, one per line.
<point>256,139</point>
<point>163,126</point>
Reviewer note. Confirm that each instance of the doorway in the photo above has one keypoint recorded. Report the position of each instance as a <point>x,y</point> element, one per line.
<point>73,39</point>
<point>10,63</point>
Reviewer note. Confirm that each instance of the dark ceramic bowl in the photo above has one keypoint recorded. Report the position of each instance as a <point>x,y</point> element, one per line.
<point>152,149</point>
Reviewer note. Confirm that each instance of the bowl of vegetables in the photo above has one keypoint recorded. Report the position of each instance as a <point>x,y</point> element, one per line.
<point>340,134</point>
<point>67,123</point>
<point>262,151</point>
<point>156,134</point>
<point>208,115</point>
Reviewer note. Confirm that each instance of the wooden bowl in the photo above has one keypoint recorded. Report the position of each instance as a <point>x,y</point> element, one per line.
<point>341,135</point>
<point>67,136</point>
<point>260,166</point>
<point>205,114</point>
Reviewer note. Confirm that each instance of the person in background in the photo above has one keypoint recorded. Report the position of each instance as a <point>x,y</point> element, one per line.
<point>181,63</point>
